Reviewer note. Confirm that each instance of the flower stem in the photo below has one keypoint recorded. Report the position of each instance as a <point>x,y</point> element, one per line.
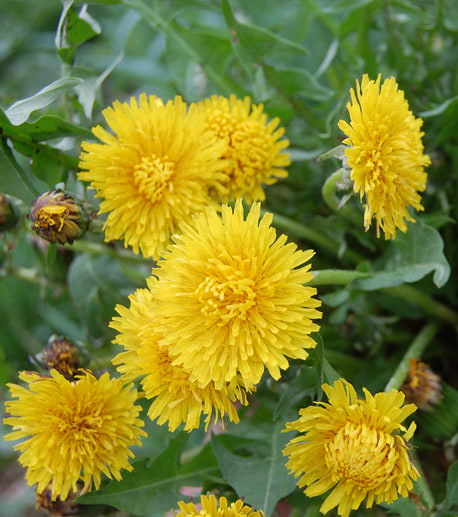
<point>414,351</point>
<point>404,292</point>
<point>334,203</point>
<point>95,248</point>
<point>421,485</point>
<point>296,229</point>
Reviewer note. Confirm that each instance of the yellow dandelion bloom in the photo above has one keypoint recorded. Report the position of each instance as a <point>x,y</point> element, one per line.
<point>213,507</point>
<point>153,172</point>
<point>357,448</point>
<point>253,146</point>
<point>385,154</point>
<point>231,298</point>
<point>177,399</point>
<point>73,431</point>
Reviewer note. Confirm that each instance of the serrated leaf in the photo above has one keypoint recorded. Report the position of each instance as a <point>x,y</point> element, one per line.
<point>403,508</point>
<point>150,489</point>
<point>260,480</point>
<point>442,421</point>
<point>410,257</point>
<point>21,110</point>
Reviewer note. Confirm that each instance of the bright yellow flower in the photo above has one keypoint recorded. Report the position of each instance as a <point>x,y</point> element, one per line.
<point>154,173</point>
<point>231,298</point>
<point>357,448</point>
<point>212,507</point>
<point>253,146</point>
<point>73,431</point>
<point>385,154</point>
<point>177,399</point>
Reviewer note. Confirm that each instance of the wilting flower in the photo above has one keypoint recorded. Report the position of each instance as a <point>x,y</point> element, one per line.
<point>154,172</point>
<point>73,431</point>
<point>9,216</point>
<point>212,507</point>
<point>253,146</point>
<point>60,354</point>
<point>357,448</point>
<point>422,386</point>
<point>231,298</point>
<point>177,399</point>
<point>385,154</point>
<point>57,217</point>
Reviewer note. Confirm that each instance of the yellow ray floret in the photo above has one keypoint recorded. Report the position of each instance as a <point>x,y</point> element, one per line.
<point>154,172</point>
<point>254,149</point>
<point>231,298</point>
<point>213,507</point>
<point>385,154</point>
<point>73,431</point>
<point>177,399</point>
<point>355,448</point>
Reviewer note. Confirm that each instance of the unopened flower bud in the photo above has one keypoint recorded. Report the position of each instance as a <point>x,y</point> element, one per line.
<point>9,216</point>
<point>60,354</point>
<point>56,507</point>
<point>57,217</point>
<point>422,386</point>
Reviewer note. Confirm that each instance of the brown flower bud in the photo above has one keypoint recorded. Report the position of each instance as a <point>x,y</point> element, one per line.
<point>60,354</point>
<point>9,216</point>
<point>57,508</point>
<point>422,386</point>
<point>57,217</point>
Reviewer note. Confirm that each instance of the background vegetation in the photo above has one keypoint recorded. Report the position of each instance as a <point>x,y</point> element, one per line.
<point>299,58</point>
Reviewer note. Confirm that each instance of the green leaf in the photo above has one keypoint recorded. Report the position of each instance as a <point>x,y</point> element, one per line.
<point>73,30</point>
<point>403,508</point>
<point>21,110</point>
<point>13,179</point>
<point>261,480</point>
<point>438,110</point>
<point>410,257</point>
<point>150,489</point>
<point>451,499</point>
<point>442,421</point>
<point>44,128</point>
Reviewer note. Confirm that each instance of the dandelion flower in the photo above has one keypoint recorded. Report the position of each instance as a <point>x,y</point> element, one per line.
<point>357,448</point>
<point>253,146</point>
<point>422,386</point>
<point>177,399</point>
<point>385,154</point>
<point>153,172</point>
<point>212,507</point>
<point>231,298</point>
<point>73,431</point>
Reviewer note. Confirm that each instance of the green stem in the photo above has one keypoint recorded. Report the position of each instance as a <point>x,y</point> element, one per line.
<point>94,248</point>
<point>334,203</point>
<point>336,277</point>
<point>421,485</point>
<point>428,304</point>
<point>296,229</point>
<point>414,351</point>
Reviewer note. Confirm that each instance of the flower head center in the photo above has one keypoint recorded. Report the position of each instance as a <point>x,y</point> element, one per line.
<point>152,177</point>
<point>79,425</point>
<point>228,298</point>
<point>361,455</point>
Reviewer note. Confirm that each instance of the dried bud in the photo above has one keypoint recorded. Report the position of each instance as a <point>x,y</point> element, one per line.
<point>422,386</point>
<point>57,217</point>
<point>57,508</point>
<point>9,216</point>
<point>60,354</point>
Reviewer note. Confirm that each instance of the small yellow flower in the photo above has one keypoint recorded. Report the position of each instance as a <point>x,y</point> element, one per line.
<point>253,146</point>
<point>177,399</point>
<point>154,172</point>
<point>385,154</point>
<point>212,507</point>
<point>231,298</point>
<point>57,217</point>
<point>357,448</point>
<point>73,431</point>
